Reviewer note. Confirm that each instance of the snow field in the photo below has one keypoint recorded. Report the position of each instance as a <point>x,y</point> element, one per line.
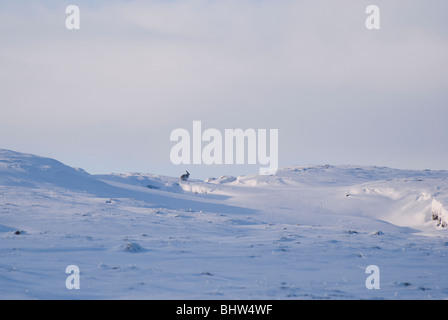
<point>305,233</point>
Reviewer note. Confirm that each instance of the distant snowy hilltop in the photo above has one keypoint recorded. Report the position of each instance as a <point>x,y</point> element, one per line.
<point>305,232</point>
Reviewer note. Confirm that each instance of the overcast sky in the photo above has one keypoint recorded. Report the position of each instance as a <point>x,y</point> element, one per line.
<point>106,97</point>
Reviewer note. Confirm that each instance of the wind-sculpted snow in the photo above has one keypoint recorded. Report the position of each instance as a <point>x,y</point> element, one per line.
<point>307,232</point>
<point>18,169</point>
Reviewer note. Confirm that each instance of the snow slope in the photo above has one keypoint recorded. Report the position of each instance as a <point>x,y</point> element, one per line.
<point>303,233</point>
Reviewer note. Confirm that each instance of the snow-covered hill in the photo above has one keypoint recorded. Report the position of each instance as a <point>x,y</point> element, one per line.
<point>305,232</point>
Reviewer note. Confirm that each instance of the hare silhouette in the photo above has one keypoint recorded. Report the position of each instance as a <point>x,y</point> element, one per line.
<point>185,176</point>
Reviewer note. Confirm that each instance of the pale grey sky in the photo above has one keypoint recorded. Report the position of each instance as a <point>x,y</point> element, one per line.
<point>106,97</point>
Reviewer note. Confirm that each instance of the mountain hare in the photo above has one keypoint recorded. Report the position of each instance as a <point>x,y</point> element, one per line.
<point>185,176</point>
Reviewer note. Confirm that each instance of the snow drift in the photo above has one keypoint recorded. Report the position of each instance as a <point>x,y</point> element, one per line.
<point>439,212</point>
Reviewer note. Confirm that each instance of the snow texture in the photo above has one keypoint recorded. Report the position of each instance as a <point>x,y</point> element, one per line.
<point>307,232</point>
